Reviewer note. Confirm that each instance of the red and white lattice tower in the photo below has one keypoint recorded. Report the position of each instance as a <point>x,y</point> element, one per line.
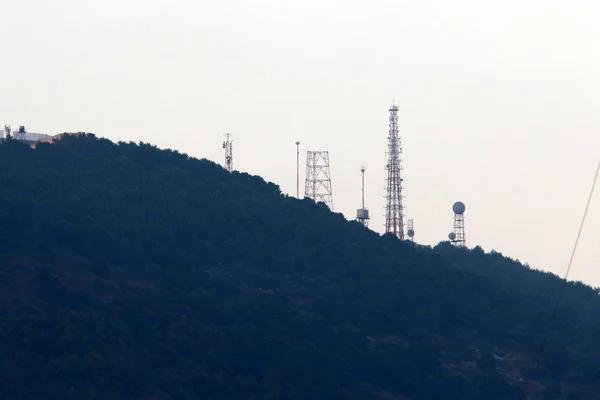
<point>318,178</point>
<point>228,147</point>
<point>394,217</point>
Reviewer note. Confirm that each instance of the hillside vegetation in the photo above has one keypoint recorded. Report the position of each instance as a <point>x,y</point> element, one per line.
<point>129,272</point>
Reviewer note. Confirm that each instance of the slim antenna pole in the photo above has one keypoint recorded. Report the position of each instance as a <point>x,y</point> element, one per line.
<point>363,187</point>
<point>298,169</point>
<point>362,214</point>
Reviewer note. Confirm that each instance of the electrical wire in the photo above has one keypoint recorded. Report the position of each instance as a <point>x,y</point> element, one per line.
<point>585,213</point>
<point>565,279</point>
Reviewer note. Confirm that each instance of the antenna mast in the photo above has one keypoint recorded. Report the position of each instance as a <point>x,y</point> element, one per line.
<point>297,169</point>
<point>362,214</point>
<point>228,146</point>
<point>394,217</point>
<point>7,131</point>
<point>362,170</point>
<point>318,178</point>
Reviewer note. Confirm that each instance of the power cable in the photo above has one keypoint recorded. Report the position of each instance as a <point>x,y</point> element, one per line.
<point>565,279</point>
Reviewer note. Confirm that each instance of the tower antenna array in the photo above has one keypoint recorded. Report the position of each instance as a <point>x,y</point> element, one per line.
<point>318,178</point>
<point>410,230</point>
<point>458,236</point>
<point>297,169</point>
<point>228,146</point>
<point>394,218</point>
<point>362,214</point>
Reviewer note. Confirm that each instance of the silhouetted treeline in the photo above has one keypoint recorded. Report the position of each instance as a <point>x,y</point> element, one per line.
<point>129,272</point>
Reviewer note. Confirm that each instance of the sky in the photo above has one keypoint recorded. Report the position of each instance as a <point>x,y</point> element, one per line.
<point>498,101</point>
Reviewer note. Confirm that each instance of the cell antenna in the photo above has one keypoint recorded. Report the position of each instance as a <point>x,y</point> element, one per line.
<point>394,217</point>
<point>362,214</point>
<point>318,178</point>
<point>458,236</point>
<point>410,230</point>
<point>228,146</point>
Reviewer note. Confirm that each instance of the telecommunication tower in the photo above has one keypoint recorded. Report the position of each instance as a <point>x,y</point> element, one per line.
<point>362,214</point>
<point>297,169</point>
<point>458,236</point>
<point>410,230</point>
<point>318,178</point>
<point>20,133</point>
<point>394,218</point>
<point>228,146</point>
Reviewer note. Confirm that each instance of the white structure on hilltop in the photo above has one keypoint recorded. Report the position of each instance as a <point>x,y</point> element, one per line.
<point>22,134</point>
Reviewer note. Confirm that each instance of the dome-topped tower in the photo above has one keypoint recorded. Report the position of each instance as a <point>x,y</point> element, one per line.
<point>458,236</point>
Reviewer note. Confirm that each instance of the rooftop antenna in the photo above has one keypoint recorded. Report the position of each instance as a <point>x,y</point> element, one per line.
<point>228,146</point>
<point>297,169</point>
<point>362,214</point>
<point>394,217</point>
<point>318,178</point>
<point>410,231</point>
<point>458,236</point>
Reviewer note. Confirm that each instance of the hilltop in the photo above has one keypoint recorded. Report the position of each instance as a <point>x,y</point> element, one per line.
<point>130,272</point>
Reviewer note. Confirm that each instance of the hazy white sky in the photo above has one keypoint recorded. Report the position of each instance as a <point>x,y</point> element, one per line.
<point>498,100</point>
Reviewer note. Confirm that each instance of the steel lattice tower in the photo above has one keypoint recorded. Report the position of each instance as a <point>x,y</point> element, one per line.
<point>459,230</point>
<point>394,218</point>
<point>228,146</point>
<point>459,238</point>
<point>318,178</point>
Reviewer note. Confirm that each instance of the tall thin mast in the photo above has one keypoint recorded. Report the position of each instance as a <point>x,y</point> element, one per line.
<point>228,146</point>
<point>362,214</point>
<point>362,170</point>
<point>298,169</point>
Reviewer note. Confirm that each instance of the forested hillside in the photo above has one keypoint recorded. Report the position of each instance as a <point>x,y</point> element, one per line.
<point>129,272</point>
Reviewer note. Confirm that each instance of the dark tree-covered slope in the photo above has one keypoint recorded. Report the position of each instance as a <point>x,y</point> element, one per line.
<point>129,272</point>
